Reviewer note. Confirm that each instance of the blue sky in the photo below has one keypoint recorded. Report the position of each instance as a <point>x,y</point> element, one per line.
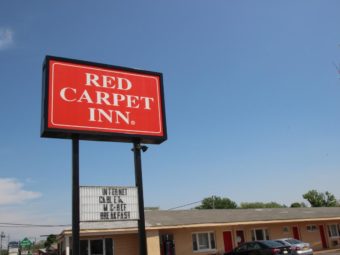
<point>251,90</point>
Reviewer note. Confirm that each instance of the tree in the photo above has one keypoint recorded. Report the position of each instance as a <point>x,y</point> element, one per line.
<point>255,205</point>
<point>297,204</point>
<point>51,239</point>
<point>320,199</point>
<point>330,200</point>
<point>216,202</point>
<point>38,245</point>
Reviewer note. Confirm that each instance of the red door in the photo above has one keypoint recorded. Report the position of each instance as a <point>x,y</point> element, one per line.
<point>228,241</point>
<point>323,237</point>
<point>296,234</point>
<point>239,237</point>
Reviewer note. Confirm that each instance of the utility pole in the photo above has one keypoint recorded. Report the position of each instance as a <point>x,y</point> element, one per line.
<point>2,235</point>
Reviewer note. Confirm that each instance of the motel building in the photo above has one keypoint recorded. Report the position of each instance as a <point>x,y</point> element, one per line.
<point>206,232</point>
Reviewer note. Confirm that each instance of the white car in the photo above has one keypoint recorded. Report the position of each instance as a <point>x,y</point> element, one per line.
<point>297,247</point>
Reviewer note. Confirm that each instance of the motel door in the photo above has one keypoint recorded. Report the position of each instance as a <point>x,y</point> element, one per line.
<point>228,241</point>
<point>323,236</point>
<point>167,245</point>
<point>239,237</point>
<point>296,234</point>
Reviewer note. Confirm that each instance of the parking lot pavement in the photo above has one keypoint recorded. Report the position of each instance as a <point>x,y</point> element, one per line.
<point>328,252</point>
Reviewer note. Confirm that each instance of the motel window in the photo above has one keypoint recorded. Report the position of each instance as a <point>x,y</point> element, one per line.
<point>96,247</point>
<point>259,234</point>
<point>84,247</point>
<point>311,228</point>
<point>333,230</point>
<point>285,229</point>
<point>61,249</point>
<point>203,241</point>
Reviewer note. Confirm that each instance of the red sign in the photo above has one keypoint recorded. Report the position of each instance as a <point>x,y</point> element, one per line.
<point>102,102</point>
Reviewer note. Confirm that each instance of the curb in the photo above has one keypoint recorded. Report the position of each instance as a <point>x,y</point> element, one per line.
<point>326,251</point>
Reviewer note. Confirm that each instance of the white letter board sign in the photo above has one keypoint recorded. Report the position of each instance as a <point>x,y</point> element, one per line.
<point>99,203</point>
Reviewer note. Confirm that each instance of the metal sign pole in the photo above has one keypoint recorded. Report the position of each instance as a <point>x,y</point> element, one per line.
<point>75,197</point>
<point>2,235</point>
<point>139,183</point>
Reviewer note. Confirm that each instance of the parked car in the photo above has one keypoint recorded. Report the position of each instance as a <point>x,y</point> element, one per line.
<point>297,246</point>
<point>266,247</point>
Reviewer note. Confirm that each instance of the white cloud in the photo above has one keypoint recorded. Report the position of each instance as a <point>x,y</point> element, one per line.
<point>12,192</point>
<point>6,38</point>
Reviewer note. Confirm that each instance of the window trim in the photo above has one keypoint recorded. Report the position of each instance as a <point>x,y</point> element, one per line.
<point>337,228</point>
<point>265,233</point>
<point>209,241</point>
<point>285,229</point>
<point>311,228</point>
<point>88,240</point>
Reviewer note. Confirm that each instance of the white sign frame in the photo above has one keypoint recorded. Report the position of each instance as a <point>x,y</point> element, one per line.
<point>108,203</point>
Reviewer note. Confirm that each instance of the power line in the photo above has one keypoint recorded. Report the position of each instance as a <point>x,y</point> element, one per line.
<point>9,224</point>
<point>185,205</point>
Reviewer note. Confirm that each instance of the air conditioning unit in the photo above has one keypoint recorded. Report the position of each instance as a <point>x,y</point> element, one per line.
<point>335,243</point>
